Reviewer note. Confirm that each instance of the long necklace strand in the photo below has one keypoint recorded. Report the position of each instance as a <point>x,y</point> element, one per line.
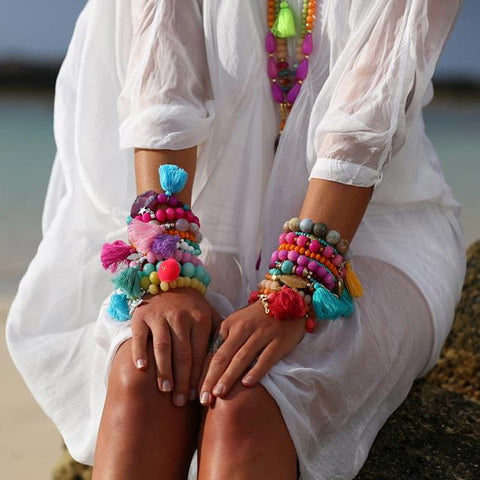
<point>287,81</point>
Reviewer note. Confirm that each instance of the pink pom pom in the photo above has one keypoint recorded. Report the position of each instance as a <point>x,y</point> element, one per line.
<point>169,270</point>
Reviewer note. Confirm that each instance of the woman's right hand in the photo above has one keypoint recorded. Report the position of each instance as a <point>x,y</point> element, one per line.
<point>180,323</point>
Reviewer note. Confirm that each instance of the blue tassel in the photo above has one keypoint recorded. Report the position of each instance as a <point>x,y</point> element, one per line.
<point>118,308</point>
<point>329,306</point>
<point>128,282</point>
<point>172,178</point>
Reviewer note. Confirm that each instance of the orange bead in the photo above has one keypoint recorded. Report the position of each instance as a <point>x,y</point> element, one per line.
<point>307,253</point>
<point>302,250</point>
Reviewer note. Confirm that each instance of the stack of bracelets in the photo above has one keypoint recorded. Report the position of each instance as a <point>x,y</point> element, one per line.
<point>310,275</point>
<point>162,249</point>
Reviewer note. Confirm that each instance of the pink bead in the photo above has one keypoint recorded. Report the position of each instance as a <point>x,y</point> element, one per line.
<point>299,271</point>
<point>302,241</point>
<point>270,42</point>
<point>146,217</point>
<point>179,212</point>
<point>328,252</point>
<point>281,238</point>
<point>307,47</point>
<point>170,212</point>
<point>162,198</point>
<point>314,246</point>
<point>322,271</point>
<point>189,215</point>
<point>196,220</point>
<point>274,257</point>
<point>138,217</point>
<point>282,65</point>
<point>302,70</point>
<point>293,93</point>
<point>178,255</point>
<point>151,257</point>
<point>187,257</point>
<point>272,68</point>
<point>277,93</point>
<point>312,266</point>
<point>160,215</point>
<point>293,255</point>
<point>133,264</point>
<point>329,278</point>
<point>337,260</point>
<point>282,255</point>
<point>290,237</point>
<point>302,260</point>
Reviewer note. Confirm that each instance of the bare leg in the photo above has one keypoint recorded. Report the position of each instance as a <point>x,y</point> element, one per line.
<point>244,437</point>
<point>142,434</point>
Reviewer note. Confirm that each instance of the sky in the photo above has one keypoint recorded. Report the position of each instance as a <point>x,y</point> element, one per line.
<point>39,30</point>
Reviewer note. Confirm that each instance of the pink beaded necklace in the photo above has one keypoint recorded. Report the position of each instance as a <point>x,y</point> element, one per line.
<point>286,82</point>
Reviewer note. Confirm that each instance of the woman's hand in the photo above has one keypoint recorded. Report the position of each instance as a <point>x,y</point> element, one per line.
<point>180,322</point>
<point>242,337</point>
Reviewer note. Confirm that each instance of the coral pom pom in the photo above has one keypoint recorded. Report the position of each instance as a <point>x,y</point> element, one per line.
<point>169,270</point>
<point>287,304</point>
<point>253,297</point>
<point>114,254</point>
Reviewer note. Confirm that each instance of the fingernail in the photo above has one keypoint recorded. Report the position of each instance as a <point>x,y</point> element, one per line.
<point>193,394</point>
<point>248,380</point>
<point>204,398</point>
<point>166,386</point>
<point>179,400</point>
<point>141,363</point>
<point>219,389</point>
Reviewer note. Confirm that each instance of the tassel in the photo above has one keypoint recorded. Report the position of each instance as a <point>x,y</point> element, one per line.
<point>142,234</point>
<point>172,178</point>
<point>114,254</point>
<point>284,25</point>
<point>128,282</point>
<point>165,245</point>
<point>352,282</point>
<point>329,306</point>
<point>118,308</point>
<point>286,304</point>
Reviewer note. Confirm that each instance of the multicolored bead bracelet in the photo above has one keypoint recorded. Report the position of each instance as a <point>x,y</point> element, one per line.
<point>161,253</point>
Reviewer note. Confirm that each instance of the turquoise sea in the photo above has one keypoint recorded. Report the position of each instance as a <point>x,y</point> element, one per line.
<point>27,150</point>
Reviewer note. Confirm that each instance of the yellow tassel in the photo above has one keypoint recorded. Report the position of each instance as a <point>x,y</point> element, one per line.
<point>352,282</point>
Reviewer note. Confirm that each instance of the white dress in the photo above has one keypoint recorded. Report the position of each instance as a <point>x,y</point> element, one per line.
<point>177,73</point>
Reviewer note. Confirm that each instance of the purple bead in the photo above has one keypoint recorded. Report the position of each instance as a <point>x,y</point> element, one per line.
<point>274,257</point>
<point>329,278</point>
<point>293,255</point>
<point>162,198</point>
<point>328,251</point>
<point>312,266</point>
<point>272,68</point>
<point>277,93</point>
<point>147,199</point>
<point>172,201</point>
<point>322,271</point>
<point>307,47</point>
<point>282,255</point>
<point>270,42</point>
<point>302,70</point>
<point>299,271</point>
<point>302,260</point>
<point>337,260</point>
<point>293,93</point>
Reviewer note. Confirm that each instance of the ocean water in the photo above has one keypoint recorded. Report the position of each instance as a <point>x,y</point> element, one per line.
<point>27,150</point>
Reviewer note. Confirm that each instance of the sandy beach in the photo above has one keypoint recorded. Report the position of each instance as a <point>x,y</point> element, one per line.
<point>30,445</point>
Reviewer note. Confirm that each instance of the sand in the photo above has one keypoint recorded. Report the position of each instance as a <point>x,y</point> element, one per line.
<point>30,445</point>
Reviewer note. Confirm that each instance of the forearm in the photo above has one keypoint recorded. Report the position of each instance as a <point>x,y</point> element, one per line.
<point>340,206</point>
<point>148,161</point>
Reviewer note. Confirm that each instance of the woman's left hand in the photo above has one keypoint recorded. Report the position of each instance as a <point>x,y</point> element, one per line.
<point>247,335</point>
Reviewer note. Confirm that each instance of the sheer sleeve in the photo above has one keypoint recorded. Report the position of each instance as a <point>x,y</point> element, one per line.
<point>388,60</point>
<point>166,99</point>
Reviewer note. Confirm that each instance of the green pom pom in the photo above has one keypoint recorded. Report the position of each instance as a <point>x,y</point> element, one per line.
<point>284,25</point>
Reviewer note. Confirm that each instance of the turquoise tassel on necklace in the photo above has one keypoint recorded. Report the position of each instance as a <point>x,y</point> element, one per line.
<point>286,82</point>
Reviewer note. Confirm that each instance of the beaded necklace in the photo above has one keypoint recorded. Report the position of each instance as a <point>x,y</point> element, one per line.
<point>287,81</point>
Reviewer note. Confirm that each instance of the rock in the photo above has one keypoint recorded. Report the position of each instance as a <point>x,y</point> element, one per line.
<point>435,434</point>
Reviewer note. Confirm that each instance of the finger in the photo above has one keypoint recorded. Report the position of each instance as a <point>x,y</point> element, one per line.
<point>241,362</point>
<point>182,362</point>
<point>140,333</point>
<point>266,360</point>
<point>162,351</point>
<point>199,341</point>
<point>217,362</point>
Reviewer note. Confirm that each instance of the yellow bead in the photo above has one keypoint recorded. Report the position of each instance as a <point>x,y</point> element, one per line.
<point>153,289</point>
<point>154,278</point>
<point>173,284</point>
<point>145,283</point>
<point>180,282</point>
<point>188,282</point>
<point>164,287</point>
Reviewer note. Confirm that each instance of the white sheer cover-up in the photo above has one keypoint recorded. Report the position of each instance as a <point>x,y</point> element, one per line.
<point>173,74</point>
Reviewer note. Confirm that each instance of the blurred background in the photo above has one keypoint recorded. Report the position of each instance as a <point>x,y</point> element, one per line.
<point>34,36</point>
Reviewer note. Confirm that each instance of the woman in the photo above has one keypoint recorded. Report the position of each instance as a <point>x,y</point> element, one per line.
<point>190,82</point>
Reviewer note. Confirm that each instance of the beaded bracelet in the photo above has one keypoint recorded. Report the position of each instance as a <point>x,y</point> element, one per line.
<point>162,248</point>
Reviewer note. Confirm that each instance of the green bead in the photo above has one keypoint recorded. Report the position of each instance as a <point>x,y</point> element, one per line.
<point>148,268</point>
<point>188,269</point>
